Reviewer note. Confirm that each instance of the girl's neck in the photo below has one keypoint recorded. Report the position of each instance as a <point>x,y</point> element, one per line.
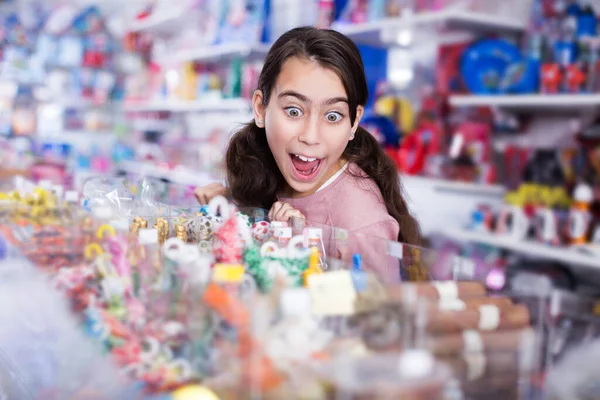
<point>289,192</point>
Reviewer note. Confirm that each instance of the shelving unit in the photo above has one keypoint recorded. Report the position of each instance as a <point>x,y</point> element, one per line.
<point>529,101</point>
<point>159,22</point>
<point>219,52</point>
<point>180,175</point>
<point>204,105</point>
<point>83,139</point>
<point>440,185</point>
<point>565,255</point>
<point>456,26</point>
<point>436,202</point>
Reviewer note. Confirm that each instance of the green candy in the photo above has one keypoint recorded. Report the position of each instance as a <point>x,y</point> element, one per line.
<point>258,268</point>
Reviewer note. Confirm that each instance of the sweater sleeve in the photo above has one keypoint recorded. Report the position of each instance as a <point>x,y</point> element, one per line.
<point>372,243</point>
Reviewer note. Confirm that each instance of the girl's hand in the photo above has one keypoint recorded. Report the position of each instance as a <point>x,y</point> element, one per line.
<point>282,212</point>
<point>206,193</point>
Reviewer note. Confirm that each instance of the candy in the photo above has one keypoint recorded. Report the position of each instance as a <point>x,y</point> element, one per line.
<point>194,392</point>
<point>260,230</point>
<point>201,228</point>
<point>227,247</point>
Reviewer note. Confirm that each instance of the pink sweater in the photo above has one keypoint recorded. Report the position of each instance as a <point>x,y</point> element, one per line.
<point>353,202</point>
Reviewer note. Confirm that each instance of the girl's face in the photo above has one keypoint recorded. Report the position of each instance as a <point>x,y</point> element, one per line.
<point>307,122</point>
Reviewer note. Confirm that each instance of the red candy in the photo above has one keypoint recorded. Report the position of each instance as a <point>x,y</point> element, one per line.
<point>228,248</point>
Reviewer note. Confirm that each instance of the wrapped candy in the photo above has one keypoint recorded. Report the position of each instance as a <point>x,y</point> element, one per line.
<point>202,228</point>
<point>260,231</point>
<point>227,247</point>
<point>244,219</point>
<point>232,234</point>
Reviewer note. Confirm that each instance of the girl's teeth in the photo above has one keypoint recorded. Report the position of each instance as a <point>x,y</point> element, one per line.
<point>305,159</point>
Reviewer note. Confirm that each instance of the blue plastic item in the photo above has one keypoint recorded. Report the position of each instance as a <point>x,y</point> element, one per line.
<point>359,277</point>
<point>522,78</point>
<point>383,129</point>
<point>565,52</point>
<point>573,9</point>
<point>484,64</point>
<point>587,23</point>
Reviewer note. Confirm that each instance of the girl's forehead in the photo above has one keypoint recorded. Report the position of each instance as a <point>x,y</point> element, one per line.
<point>310,79</point>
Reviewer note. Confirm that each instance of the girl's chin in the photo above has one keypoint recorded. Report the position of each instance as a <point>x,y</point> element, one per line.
<point>301,189</point>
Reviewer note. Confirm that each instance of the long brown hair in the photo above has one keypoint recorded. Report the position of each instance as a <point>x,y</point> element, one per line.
<point>254,180</point>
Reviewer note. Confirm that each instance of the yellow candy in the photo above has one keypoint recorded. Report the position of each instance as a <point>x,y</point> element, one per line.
<point>93,250</point>
<point>194,392</point>
<point>313,265</point>
<point>103,230</point>
<point>228,273</point>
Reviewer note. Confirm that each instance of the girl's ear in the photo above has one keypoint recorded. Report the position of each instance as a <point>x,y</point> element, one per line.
<point>258,108</point>
<point>360,110</point>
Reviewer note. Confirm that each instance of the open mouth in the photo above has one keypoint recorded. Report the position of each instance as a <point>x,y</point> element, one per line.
<point>305,168</point>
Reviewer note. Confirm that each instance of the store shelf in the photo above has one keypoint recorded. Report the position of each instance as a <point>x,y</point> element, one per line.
<point>436,202</point>
<point>466,188</point>
<point>554,102</point>
<point>454,24</point>
<point>82,139</point>
<point>564,255</point>
<point>205,105</point>
<point>218,53</point>
<point>179,175</point>
<point>161,21</point>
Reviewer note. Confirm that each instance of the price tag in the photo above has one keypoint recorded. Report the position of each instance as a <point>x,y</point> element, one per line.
<point>332,293</point>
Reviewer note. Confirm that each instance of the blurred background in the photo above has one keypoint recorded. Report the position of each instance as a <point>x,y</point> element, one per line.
<point>489,108</point>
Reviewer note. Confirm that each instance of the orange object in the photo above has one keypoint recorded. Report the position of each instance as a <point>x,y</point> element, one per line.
<point>116,327</point>
<point>258,369</point>
<point>229,308</point>
<point>551,78</point>
<point>575,78</point>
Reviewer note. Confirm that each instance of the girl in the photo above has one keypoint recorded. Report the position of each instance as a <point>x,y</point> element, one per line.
<point>305,155</point>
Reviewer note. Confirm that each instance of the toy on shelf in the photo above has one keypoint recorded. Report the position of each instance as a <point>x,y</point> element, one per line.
<point>579,215</point>
<point>560,55</point>
<point>551,78</point>
<point>575,78</point>
<point>399,110</point>
<point>470,153</point>
<point>417,146</point>
<point>326,13</point>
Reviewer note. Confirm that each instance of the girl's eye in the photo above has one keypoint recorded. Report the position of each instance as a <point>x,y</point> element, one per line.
<point>333,116</point>
<point>293,112</point>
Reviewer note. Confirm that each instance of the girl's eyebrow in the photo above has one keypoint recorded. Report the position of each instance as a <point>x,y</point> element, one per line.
<point>304,99</point>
